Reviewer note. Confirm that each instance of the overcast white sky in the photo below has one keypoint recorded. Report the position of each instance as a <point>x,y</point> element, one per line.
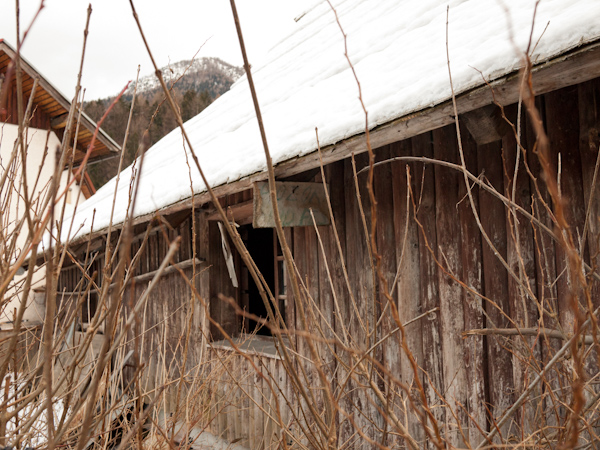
<point>176,29</point>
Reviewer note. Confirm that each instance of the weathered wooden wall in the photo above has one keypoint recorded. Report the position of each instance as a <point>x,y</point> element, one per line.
<point>499,273</point>
<point>244,401</point>
<point>451,259</point>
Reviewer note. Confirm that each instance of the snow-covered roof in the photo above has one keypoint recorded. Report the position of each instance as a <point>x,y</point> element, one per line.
<point>398,48</point>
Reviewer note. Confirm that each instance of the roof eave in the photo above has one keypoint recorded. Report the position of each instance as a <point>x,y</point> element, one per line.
<point>86,121</point>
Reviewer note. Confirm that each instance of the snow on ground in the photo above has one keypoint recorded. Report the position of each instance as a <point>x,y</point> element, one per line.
<point>399,51</point>
<point>34,413</point>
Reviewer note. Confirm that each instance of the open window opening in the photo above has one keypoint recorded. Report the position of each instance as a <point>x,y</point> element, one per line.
<point>73,287</point>
<point>264,248</point>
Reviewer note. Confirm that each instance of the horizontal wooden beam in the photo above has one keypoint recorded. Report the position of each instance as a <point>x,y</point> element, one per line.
<point>59,122</point>
<point>148,275</point>
<point>240,213</point>
<point>170,269</point>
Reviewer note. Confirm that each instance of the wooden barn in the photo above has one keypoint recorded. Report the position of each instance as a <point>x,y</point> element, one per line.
<point>456,310</point>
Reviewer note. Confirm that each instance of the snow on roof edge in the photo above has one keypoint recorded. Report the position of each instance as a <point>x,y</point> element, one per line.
<point>296,83</point>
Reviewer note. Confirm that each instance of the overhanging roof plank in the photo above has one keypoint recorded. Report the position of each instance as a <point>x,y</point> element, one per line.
<point>59,121</point>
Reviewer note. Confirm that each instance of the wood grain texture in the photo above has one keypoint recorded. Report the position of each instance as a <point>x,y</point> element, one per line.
<point>448,271</point>
<point>472,276</point>
<point>424,198</point>
<point>522,291</point>
<point>407,292</point>
<point>493,220</point>
<point>562,119</point>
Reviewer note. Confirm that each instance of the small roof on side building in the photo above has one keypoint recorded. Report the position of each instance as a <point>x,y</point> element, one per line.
<point>52,108</point>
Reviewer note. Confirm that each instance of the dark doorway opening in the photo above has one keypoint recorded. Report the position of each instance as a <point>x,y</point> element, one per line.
<point>260,244</point>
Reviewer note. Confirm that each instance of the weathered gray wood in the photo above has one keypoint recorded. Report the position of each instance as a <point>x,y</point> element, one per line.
<point>259,416</point>
<point>424,199</point>
<point>295,202</point>
<point>363,321</point>
<point>449,268</point>
<point>486,124</point>
<point>408,289</point>
<point>521,259</point>
<point>589,120</point>
<point>327,321</point>
<point>562,118</point>
<point>203,278</point>
<point>472,275</point>
<point>493,221</point>
<point>589,140</point>
<point>545,274</point>
<point>390,353</point>
<point>386,249</point>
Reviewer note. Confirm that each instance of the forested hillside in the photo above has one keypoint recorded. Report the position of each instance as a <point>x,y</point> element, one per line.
<point>195,85</point>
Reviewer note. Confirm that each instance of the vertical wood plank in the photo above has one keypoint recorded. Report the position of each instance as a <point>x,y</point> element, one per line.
<point>244,404</point>
<point>425,201</point>
<point>275,426</point>
<point>222,392</point>
<point>253,427</point>
<point>474,358</point>
<point>562,119</point>
<point>238,404</point>
<point>259,417</point>
<point>361,323</point>
<point>589,120</point>
<point>386,249</point>
<point>545,271</point>
<point>589,140</point>
<point>301,258</point>
<point>337,261</point>
<point>493,220</point>
<point>408,289</point>
<point>203,275</point>
<point>449,256</point>
<point>325,300</point>
<point>521,259</point>
<point>316,323</point>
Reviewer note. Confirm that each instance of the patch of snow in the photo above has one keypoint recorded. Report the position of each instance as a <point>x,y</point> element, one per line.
<point>36,435</point>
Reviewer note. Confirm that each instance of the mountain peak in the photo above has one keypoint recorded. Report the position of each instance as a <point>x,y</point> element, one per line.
<point>198,69</point>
